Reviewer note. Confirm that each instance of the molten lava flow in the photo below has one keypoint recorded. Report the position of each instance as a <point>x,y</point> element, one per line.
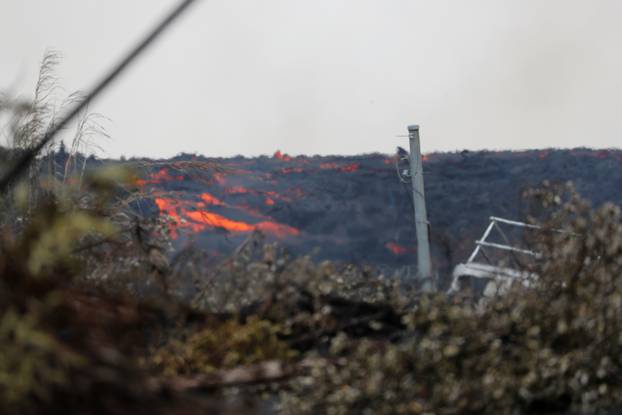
<point>192,216</point>
<point>289,170</point>
<point>281,156</point>
<point>160,176</point>
<point>236,190</point>
<point>169,207</point>
<point>213,220</point>
<point>348,168</point>
<point>396,248</point>
<point>163,175</point>
<point>211,200</point>
<point>219,178</point>
<point>272,197</point>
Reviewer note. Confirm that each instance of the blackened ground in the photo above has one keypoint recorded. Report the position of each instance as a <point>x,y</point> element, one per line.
<point>356,210</point>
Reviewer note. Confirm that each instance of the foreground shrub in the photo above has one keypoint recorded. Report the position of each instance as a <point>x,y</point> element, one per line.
<point>223,345</point>
<point>554,348</point>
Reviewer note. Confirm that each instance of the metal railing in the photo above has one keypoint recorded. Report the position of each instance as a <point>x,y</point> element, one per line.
<point>494,225</point>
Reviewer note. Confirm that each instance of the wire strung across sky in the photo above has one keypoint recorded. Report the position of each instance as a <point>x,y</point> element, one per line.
<point>26,158</point>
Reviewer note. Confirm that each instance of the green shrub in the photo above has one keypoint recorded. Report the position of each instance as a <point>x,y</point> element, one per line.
<point>552,348</point>
<point>223,345</point>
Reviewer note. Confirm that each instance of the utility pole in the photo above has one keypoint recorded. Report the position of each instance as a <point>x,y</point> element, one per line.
<point>424,261</point>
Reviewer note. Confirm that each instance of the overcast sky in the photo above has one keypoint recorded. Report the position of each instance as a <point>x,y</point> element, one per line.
<point>334,76</point>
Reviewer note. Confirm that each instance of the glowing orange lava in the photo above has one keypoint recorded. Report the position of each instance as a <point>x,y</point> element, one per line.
<point>277,229</point>
<point>329,166</point>
<point>289,170</point>
<point>281,156</point>
<point>349,168</point>
<point>169,207</point>
<point>272,197</point>
<point>219,178</point>
<point>211,200</point>
<point>214,220</point>
<point>236,190</point>
<point>160,176</point>
<point>396,248</point>
<point>186,215</point>
<point>163,175</point>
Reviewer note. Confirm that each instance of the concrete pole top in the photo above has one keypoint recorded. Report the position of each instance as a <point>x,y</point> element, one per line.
<point>413,127</point>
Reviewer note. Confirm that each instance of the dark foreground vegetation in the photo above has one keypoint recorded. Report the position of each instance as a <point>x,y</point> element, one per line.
<point>95,316</point>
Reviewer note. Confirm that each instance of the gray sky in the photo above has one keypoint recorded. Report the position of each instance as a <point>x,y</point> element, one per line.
<point>335,76</point>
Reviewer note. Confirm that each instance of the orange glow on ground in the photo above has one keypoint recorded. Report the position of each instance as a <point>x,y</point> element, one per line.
<point>214,220</point>
<point>211,200</point>
<point>348,168</point>
<point>160,176</point>
<point>236,190</point>
<point>289,170</point>
<point>281,156</point>
<point>396,248</point>
<point>163,175</point>
<point>185,215</point>
<point>219,178</point>
<point>329,166</point>
<point>277,229</point>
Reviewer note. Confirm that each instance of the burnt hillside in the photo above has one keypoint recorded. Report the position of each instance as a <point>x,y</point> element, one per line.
<point>354,209</point>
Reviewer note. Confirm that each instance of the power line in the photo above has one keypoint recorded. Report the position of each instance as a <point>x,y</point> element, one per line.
<point>26,158</point>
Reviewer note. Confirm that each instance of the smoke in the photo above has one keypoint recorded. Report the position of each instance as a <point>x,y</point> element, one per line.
<point>339,76</point>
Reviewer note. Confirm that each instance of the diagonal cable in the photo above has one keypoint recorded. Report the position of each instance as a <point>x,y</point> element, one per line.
<point>26,158</point>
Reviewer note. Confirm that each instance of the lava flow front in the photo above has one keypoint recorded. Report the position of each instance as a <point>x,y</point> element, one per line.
<point>241,196</point>
<point>233,200</point>
<point>193,216</point>
<point>239,200</point>
<point>355,209</point>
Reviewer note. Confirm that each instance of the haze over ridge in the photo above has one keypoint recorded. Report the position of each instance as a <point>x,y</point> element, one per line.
<point>335,76</point>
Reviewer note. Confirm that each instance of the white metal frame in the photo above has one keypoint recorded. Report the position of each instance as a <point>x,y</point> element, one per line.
<point>494,224</point>
<point>499,278</point>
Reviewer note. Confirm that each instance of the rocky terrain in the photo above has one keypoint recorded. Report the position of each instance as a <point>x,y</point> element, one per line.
<point>355,209</point>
